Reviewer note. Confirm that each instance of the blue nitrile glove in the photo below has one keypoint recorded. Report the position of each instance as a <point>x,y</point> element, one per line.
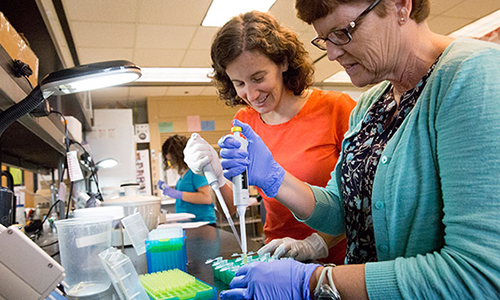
<point>279,279</point>
<point>263,171</point>
<point>168,191</point>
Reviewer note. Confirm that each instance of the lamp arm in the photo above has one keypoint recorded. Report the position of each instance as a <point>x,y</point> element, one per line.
<point>20,109</point>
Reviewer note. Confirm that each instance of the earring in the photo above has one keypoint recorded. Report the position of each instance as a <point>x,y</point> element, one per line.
<point>402,20</point>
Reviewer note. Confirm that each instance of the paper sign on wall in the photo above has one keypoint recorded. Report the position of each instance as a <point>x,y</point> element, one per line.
<point>207,125</point>
<point>165,127</point>
<point>194,123</point>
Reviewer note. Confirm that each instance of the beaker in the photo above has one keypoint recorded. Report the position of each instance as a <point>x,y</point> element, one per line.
<point>80,242</point>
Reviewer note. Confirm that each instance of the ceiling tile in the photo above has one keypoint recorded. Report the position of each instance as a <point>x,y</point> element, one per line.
<point>167,33</point>
<point>103,35</point>
<point>90,55</point>
<point>140,91</point>
<point>173,12</point>
<point>107,95</point>
<point>164,36</point>
<point>202,40</point>
<point>440,6</point>
<point>159,57</point>
<point>446,25</point>
<point>209,91</point>
<point>473,9</point>
<point>306,37</point>
<point>325,68</point>
<point>121,11</point>
<point>184,90</point>
<point>284,11</point>
<point>197,58</point>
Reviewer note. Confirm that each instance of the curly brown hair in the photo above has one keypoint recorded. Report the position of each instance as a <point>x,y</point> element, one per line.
<point>258,31</point>
<point>174,146</point>
<point>312,10</point>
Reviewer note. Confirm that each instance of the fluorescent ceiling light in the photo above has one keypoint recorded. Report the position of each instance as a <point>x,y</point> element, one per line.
<point>175,75</point>
<point>222,10</point>
<point>339,77</point>
<point>480,27</point>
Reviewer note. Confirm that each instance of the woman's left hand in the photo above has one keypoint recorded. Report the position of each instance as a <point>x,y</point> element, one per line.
<point>279,279</point>
<point>168,191</point>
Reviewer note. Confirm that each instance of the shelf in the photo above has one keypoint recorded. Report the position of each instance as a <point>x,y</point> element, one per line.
<point>34,144</point>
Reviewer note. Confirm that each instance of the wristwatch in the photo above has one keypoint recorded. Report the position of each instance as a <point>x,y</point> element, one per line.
<point>326,291</point>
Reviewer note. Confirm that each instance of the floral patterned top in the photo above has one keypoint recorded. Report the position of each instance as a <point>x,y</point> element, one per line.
<point>362,154</point>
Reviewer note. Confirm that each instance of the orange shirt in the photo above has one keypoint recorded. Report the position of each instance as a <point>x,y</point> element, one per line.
<point>307,146</point>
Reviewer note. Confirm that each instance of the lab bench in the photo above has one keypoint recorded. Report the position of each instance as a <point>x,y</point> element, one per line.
<point>202,243</point>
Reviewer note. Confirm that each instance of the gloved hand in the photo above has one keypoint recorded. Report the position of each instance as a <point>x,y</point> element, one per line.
<point>310,248</point>
<point>279,279</point>
<point>173,193</point>
<point>198,154</point>
<point>263,171</point>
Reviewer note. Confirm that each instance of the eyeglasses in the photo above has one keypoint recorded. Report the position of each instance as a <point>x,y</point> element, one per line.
<point>342,36</point>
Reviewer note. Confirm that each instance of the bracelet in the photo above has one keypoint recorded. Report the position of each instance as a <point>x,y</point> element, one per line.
<point>326,291</point>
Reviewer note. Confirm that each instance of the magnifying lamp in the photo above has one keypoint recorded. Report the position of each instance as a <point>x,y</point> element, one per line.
<point>73,80</point>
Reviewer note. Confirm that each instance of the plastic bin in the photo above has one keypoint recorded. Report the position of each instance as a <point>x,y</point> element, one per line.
<point>166,250</point>
<point>80,242</point>
<point>123,275</point>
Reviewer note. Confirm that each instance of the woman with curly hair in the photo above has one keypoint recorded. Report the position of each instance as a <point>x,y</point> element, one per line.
<point>263,66</point>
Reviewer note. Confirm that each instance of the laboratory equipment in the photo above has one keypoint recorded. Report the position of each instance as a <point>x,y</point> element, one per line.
<point>166,249</point>
<point>123,275</point>
<point>176,284</point>
<point>225,269</point>
<point>213,181</point>
<point>148,206</point>
<point>25,269</point>
<point>241,196</point>
<point>115,212</point>
<point>80,242</point>
<point>7,201</point>
<point>136,232</point>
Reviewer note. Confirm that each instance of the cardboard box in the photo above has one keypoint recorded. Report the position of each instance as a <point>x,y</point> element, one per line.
<point>17,47</point>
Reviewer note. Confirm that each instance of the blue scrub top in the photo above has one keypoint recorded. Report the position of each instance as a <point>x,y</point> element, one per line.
<point>190,182</point>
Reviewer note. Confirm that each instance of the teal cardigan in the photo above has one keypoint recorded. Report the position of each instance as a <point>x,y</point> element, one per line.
<point>436,193</point>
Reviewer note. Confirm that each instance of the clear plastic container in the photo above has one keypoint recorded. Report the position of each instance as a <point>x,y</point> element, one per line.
<point>123,275</point>
<point>137,232</point>
<point>80,242</point>
<point>115,212</point>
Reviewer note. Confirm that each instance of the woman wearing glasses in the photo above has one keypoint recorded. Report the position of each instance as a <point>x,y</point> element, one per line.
<point>416,189</point>
<point>263,66</point>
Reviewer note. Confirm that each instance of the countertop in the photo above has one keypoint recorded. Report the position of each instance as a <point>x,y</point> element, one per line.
<point>202,243</point>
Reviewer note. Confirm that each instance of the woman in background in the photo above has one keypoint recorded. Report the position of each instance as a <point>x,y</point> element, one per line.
<point>191,191</point>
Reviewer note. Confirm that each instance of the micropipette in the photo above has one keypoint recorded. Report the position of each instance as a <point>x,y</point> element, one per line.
<point>212,180</point>
<point>241,195</point>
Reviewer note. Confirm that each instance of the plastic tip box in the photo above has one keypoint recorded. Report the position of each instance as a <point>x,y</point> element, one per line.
<point>225,269</point>
<point>176,285</point>
<point>166,250</point>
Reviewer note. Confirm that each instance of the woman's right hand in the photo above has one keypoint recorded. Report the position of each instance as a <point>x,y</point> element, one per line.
<point>263,171</point>
<point>200,157</point>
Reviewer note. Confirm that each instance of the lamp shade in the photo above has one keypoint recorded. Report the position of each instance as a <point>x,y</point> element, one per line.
<point>72,80</point>
<point>89,77</point>
<point>106,163</point>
